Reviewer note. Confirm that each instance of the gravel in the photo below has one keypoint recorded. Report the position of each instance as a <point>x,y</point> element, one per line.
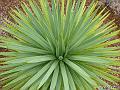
<point>113,4</point>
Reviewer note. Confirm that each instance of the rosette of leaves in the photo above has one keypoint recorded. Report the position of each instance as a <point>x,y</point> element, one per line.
<point>58,45</point>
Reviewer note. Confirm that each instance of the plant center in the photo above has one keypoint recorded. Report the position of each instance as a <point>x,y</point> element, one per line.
<point>60,58</point>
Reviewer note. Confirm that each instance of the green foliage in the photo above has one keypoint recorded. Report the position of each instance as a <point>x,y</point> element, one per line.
<point>58,47</point>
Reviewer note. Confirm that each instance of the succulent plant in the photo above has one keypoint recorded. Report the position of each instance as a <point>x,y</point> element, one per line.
<point>60,45</point>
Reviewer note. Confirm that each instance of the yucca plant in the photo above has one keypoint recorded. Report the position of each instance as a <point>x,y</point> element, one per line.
<point>60,45</point>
